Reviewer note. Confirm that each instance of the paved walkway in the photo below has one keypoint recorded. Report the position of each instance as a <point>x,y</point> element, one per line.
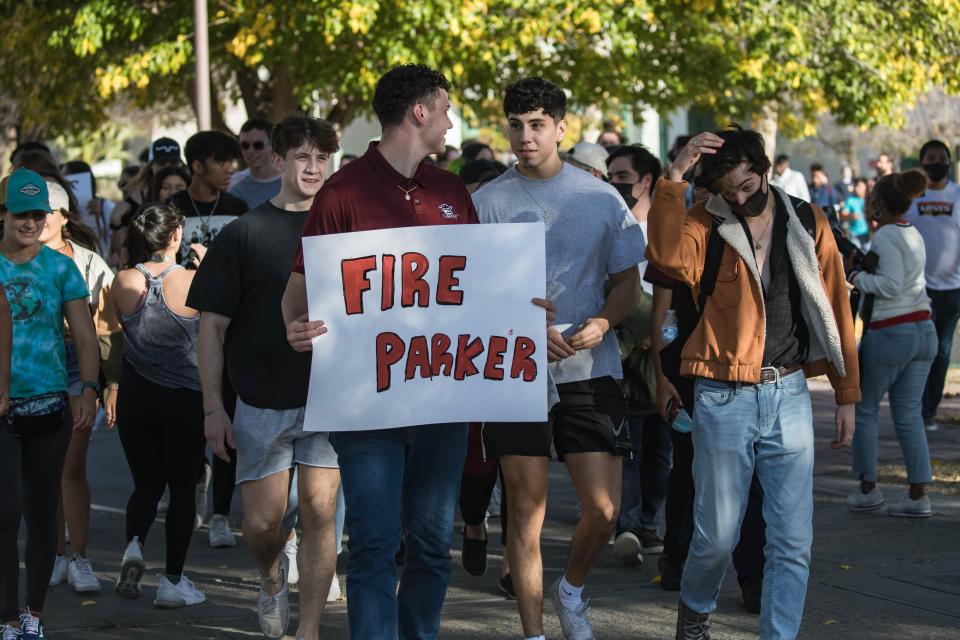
<point>872,576</point>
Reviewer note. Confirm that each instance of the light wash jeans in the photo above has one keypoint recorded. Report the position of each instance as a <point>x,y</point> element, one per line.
<point>399,482</point>
<point>896,360</point>
<point>739,428</point>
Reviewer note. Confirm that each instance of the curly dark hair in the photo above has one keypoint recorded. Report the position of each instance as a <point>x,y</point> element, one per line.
<point>739,145</point>
<point>535,93</point>
<point>402,87</point>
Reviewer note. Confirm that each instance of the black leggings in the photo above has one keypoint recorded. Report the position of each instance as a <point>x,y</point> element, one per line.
<point>224,480</point>
<point>30,469</point>
<point>160,430</point>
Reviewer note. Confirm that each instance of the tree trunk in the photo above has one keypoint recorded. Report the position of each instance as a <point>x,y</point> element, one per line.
<point>766,124</point>
<point>282,102</point>
<point>217,123</point>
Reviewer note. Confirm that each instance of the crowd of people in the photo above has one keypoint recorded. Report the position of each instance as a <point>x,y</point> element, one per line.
<point>687,303</point>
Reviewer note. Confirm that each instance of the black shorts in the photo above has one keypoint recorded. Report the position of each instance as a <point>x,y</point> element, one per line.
<point>590,416</point>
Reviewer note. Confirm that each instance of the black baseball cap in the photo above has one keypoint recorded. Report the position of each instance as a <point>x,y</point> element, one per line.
<point>164,149</point>
<point>479,171</point>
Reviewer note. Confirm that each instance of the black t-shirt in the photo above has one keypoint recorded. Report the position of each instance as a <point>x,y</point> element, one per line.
<point>243,277</point>
<point>206,219</point>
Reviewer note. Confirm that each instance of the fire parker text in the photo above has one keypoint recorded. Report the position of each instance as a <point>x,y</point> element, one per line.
<point>436,355</point>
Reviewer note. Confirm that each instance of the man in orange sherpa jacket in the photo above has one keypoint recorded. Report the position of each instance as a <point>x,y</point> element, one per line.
<point>779,312</point>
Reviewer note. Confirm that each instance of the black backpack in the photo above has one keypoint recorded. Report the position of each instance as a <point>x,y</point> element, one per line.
<point>689,310</point>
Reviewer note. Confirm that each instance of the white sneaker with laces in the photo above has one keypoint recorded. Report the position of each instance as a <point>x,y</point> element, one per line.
<point>931,425</point>
<point>61,567</point>
<point>290,548</point>
<point>860,501</point>
<point>334,594</point>
<point>10,633</point>
<point>174,596</point>
<point>131,571</point>
<point>574,621</point>
<point>627,549</point>
<point>220,534</point>
<point>203,488</point>
<point>273,612</point>
<point>907,508</point>
<point>80,575</point>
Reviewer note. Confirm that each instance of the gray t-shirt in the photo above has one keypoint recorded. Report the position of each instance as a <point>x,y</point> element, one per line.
<point>590,235</point>
<point>255,192</point>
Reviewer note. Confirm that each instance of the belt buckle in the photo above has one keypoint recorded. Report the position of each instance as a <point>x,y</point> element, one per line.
<point>776,375</point>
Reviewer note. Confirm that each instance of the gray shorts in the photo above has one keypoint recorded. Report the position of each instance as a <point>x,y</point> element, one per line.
<point>273,440</point>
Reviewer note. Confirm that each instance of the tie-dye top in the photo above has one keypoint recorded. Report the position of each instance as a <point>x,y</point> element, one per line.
<point>36,291</point>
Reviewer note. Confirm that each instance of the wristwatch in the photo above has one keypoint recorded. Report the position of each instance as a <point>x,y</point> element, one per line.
<point>87,384</point>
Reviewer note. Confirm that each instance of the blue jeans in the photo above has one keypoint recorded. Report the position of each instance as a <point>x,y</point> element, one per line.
<point>644,484</point>
<point>895,359</point>
<point>946,312</point>
<point>400,482</point>
<point>739,429</point>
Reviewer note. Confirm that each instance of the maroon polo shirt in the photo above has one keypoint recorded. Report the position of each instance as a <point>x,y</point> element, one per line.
<point>368,194</point>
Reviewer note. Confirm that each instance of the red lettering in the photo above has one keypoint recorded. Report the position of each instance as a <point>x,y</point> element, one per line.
<point>495,350</point>
<point>355,282</point>
<point>466,352</point>
<point>390,350</point>
<point>413,267</point>
<point>418,356</point>
<point>440,357</point>
<point>386,289</point>
<point>446,294</point>
<point>523,364</point>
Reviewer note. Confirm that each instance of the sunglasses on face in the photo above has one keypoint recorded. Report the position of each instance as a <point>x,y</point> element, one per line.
<point>257,145</point>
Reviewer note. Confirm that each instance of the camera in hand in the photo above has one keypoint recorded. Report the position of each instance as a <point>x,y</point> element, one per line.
<point>854,255</point>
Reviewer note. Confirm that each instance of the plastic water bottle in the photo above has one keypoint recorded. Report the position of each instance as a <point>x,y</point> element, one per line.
<point>683,422</point>
<point>670,330</point>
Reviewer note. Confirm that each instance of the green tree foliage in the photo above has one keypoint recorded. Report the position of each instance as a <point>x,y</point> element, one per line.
<point>861,60</point>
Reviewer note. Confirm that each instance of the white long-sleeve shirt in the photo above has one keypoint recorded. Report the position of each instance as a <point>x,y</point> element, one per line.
<point>793,183</point>
<point>899,286</point>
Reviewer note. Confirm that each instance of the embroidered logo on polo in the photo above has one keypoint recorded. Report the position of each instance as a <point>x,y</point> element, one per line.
<point>447,211</point>
<point>30,189</point>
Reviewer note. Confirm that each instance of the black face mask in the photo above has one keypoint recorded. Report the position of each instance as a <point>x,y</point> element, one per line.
<point>752,206</point>
<point>936,171</point>
<point>626,192</point>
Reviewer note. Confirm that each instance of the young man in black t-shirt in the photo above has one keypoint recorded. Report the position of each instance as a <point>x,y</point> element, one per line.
<point>212,157</point>
<point>238,289</point>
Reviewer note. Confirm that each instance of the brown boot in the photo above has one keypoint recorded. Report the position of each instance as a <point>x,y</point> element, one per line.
<point>692,625</point>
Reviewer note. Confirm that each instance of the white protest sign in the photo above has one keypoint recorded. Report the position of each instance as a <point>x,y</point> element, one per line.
<point>82,185</point>
<point>427,325</point>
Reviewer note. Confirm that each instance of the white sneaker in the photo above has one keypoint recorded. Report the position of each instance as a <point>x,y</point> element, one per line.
<point>203,488</point>
<point>131,571</point>
<point>931,425</point>
<point>273,612</point>
<point>61,567</point>
<point>627,549</point>
<point>220,534</point>
<point>334,594</point>
<point>80,576</point>
<point>174,596</point>
<point>290,548</point>
<point>860,501</point>
<point>10,633</point>
<point>907,508</point>
<point>164,503</point>
<point>573,621</point>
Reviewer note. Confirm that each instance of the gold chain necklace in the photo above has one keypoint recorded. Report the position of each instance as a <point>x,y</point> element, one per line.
<point>406,192</point>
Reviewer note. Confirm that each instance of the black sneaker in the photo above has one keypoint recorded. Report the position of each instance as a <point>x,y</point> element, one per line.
<point>474,555</point>
<point>752,590</point>
<point>692,625</point>
<point>506,587</point>
<point>650,542</point>
<point>670,573</point>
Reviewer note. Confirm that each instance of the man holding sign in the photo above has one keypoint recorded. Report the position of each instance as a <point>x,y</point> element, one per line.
<point>593,244</point>
<point>401,481</point>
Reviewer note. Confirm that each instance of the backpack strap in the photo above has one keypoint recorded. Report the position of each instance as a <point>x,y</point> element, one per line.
<point>711,265</point>
<point>805,213</point>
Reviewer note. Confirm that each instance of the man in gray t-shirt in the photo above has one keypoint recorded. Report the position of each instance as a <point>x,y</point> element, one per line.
<point>593,247</point>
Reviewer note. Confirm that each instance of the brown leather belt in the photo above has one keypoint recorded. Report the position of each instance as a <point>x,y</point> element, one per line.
<point>769,375</point>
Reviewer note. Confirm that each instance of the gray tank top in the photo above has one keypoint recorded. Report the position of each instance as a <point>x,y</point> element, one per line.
<point>159,344</point>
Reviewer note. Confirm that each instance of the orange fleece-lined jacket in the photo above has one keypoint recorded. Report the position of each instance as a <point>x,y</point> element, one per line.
<point>728,342</point>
